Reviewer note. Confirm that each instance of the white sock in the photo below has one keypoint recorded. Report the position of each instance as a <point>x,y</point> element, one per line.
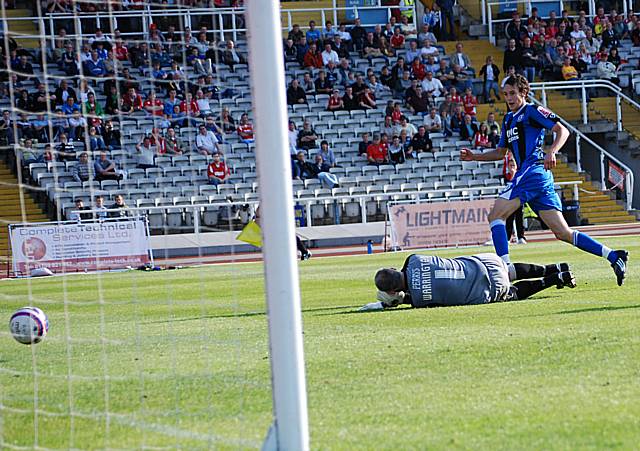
<point>512,271</point>
<point>605,251</point>
<point>505,258</point>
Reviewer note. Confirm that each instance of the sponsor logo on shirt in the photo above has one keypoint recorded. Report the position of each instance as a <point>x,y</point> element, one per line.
<point>512,134</point>
<point>546,113</point>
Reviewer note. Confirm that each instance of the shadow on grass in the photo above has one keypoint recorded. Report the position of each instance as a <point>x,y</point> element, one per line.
<point>599,309</point>
<point>351,312</point>
<point>246,314</point>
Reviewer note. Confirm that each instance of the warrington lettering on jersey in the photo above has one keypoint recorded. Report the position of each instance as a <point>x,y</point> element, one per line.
<point>421,280</point>
<point>445,217</point>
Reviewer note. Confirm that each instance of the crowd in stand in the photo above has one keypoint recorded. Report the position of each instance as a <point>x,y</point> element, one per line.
<point>563,48</point>
<point>421,79</point>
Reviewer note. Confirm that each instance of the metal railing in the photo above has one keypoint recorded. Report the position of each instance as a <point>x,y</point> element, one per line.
<point>629,177</point>
<point>225,20</point>
<point>470,193</point>
<point>583,86</point>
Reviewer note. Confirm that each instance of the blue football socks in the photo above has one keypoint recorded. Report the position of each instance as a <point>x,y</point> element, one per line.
<point>586,243</point>
<point>500,240</point>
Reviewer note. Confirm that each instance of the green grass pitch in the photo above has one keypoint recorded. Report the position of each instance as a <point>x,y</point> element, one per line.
<point>179,359</point>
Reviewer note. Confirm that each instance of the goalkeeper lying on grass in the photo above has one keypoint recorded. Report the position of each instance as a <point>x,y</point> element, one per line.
<point>430,281</point>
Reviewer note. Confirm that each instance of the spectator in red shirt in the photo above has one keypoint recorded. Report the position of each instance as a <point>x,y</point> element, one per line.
<point>417,69</point>
<point>469,103</point>
<point>189,106</point>
<point>335,102</point>
<point>313,58</point>
<point>121,50</point>
<point>158,141</point>
<point>377,152</point>
<point>455,97</point>
<point>153,106</point>
<point>217,171</point>
<point>481,138</point>
<point>396,114</point>
<point>397,39</point>
<point>245,129</point>
<point>131,101</point>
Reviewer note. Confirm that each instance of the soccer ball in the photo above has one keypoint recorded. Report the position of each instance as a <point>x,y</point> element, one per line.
<point>29,325</point>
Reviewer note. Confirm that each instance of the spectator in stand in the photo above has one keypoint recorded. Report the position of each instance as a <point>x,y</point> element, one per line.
<point>206,141</point>
<point>387,128</point>
<point>420,102</point>
<point>515,28</point>
<point>329,55</point>
<point>395,112</point>
<point>302,169</point>
<point>432,86</point>
<point>245,129</point>
<point>468,129</point>
<point>290,52</point>
<point>529,59</point>
<point>79,206</point>
<point>367,99</point>
<point>312,59</point>
<point>469,103</point>
<point>295,34</point>
<point>426,34</point>
<point>95,140</point>
<point>69,61</point>
<point>490,75</point>
<point>24,69</point>
<point>335,102</point>
<point>295,94</point>
<point>413,52</point>
<point>371,47</point>
<point>364,144</point>
<point>329,33</point>
<point>491,122</point>
<point>512,56</point>
<point>307,137</point>
<point>302,47</point>
<point>111,136</point>
<point>94,67</point>
<point>444,74</point>
<point>327,154</point>
<point>189,106</point>
<point>447,30</point>
<point>349,101</point>
<point>292,133</point>
<point>396,151</point>
<point>397,39</point>
<point>307,84</point>
<point>481,138</point>
<point>120,206</point>
<point>321,171</point>
<point>100,209</point>
<point>377,152</point>
<point>172,143</point>
<point>158,141</point>
<point>82,171</point>
<point>457,119</point>
<point>609,36</point>
<point>322,84</point>
<point>29,154</point>
<point>105,169</point>
<point>460,58</point>
<point>131,102</point>
<point>568,71</point>
<point>405,126</point>
<point>146,153</point>
<point>217,171</point>
<point>231,57</point>
<point>77,126</point>
<point>225,121</point>
<point>358,34</point>
<point>420,142</point>
<point>433,121</point>
<point>64,150</point>
<point>63,92</point>
<point>313,34</point>
<point>340,47</point>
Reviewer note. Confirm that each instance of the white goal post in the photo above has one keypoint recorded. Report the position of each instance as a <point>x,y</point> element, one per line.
<point>290,430</point>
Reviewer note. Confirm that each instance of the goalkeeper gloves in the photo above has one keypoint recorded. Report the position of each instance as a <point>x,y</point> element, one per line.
<point>371,307</point>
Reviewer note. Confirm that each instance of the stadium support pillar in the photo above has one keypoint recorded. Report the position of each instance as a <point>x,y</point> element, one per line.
<point>290,430</point>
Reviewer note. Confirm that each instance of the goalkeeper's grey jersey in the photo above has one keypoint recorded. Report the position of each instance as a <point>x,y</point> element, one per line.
<point>433,281</point>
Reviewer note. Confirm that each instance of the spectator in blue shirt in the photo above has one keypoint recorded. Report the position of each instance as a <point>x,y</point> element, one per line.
<point>327,154</point>
<point>70,106</point>
<point>313,35</point>
<point>95,66</point>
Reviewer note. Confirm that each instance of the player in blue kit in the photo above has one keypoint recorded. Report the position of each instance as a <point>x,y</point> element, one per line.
<point>523,131</point>
<point>431,281</point>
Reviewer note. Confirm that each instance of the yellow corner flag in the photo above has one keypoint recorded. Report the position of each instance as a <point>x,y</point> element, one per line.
<point>251,234</point>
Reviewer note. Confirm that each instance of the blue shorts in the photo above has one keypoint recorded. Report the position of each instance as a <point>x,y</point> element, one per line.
<point>535,187</point>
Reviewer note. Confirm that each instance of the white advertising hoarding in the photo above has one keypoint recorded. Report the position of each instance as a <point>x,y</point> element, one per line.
<point>79,246</point>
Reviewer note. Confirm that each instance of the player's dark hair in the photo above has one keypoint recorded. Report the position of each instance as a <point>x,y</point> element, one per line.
<point>388,279</point>
<point>520,82</point>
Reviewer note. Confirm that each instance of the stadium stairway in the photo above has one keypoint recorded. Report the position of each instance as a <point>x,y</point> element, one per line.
<point>10,207</point>
<point>596,206</point>
<point>302,18</point>
<point>22,27</point>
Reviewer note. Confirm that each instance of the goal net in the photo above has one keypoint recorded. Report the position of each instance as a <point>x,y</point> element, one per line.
<point>141,112</point>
